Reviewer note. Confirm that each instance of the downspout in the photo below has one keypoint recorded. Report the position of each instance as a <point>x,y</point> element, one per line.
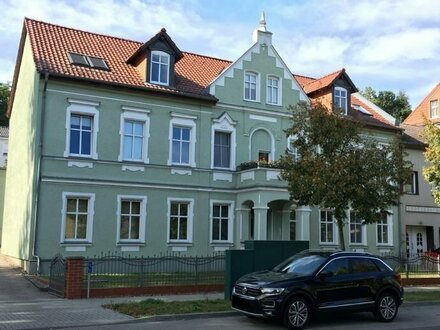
<point>39,161</point>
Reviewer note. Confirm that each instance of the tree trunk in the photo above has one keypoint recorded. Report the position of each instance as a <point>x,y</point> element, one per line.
<point>341,235</point>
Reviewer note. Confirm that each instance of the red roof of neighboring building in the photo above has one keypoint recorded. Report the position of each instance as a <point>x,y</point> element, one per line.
<point>50,44</point>
<point>422,111</point>
<point>311,85</point>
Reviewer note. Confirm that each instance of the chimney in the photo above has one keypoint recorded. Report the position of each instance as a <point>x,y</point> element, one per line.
<point>261,35</point>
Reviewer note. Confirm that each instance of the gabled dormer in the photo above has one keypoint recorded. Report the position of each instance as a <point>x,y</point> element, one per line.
<point>155,60</point>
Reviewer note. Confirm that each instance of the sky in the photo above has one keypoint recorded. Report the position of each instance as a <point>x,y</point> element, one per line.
<point>388,45</point>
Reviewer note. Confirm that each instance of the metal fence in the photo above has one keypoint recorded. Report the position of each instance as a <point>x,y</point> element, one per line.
<point>113,271</point>
<point>422,265</point>
<point>57,275</point>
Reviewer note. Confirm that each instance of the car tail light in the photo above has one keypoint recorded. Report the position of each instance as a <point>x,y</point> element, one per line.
<point>398,278</point>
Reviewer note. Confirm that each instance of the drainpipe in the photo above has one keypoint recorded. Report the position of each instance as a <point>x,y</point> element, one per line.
<point>39,161</point>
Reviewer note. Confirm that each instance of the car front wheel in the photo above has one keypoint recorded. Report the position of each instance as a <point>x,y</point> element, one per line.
<point>386,308</point>
<point>297,313</point>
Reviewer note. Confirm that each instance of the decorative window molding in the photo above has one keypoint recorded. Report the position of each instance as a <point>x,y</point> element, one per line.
<point>274,88</point>
<point>223,125</point>
<point>340,99</point>
<point>182,140</point>
<point>134,134</point>
<point>221,221</point>
<point>251,86</point>
<point>131,213</point>
<point>384,230</point>
<point>180,220</point>
<point>328,233</point>
<point>272,143</point>
<point>160,68</point>
<point>82,117</point>
<point>77,208</point>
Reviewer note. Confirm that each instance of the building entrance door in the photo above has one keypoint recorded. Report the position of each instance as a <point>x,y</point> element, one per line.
<point>415,240</point>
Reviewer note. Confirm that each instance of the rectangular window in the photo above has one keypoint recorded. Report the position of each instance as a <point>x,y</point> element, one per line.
<point>222,149</point>
<point>133,140</point>
<point>220,223</point>
<point>340,99</point>
<point>263,156</point>
<point>250,86</point>
<point>273,90</point>
<point>412,188</point>
<point>292,226</point>
<point>180,214</point>
<point>77,218</point>
<point>292,148</point>
<point>383,230</point>
<point>160,67</point>
<point>327,225</point>
<point>130,220</point>
<point>356,229</point>
<point>181,145</point>
<point>81,134</point>
<point>433,108</point>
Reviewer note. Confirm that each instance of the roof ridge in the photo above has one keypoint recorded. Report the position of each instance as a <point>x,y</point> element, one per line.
<point>340,70</point>
<point>300,75</point>
<point>207,56</point>
<point>27,19</point>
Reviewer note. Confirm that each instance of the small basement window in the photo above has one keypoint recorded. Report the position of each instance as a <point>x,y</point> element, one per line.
<point>88,61</point>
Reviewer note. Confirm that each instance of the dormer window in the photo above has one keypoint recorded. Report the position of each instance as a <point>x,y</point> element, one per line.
<point>160,68</point>
<point>340,99</point>
<point>433,109</point>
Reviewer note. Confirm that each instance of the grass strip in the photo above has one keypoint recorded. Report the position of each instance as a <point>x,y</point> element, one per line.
<point>151,307</point>
<point>422,295</point>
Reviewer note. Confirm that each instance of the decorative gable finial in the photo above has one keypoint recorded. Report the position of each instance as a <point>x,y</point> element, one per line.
<point>262,26</point>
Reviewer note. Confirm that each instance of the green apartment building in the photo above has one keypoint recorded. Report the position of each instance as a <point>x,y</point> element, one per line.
<point>141,148</point>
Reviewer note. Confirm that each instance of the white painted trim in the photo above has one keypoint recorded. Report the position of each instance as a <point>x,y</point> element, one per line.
<point>79,164</point>
<point>81,248</point>
<point>83,108</point>
<point>249,175</point>
<point>272,174</point>
<point>150,63</point>
<point>389,231</point>
<point>224,124</point>
<point>90,216</point>
<point>186,122</point>
<point>422,209</point>
<point>341,89</point>
<point>137,116</point>
<point>179,248</point>
<point>335,238</point>
<point>231,222</point>
<point>133,168</point>
<point>363,232</point>
<point>181,171</point>
<point>280,89</point>
<point>181,115</point>
<point>93,104</point>
<point>220,176</point>
<point>142,221</point>
<point>189,227</point>
<point>257,85</point>
<point>263,118</point>
<point>272,143</point>
<point>128,248</point>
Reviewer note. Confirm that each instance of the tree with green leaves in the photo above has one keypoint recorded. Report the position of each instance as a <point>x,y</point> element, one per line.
<point>341,169</point>
<point>5,90</point>
<point>397,105</point>
<point>431,173</point>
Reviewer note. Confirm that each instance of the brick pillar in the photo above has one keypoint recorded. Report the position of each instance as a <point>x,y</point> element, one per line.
<point>74,277</point>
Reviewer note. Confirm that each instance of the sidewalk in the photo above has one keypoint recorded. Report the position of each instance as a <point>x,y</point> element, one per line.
<point>23,306</point>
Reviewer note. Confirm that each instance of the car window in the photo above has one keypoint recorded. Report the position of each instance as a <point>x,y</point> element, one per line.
<point>363,265</point>
<point>337,267</point>
<point>301,264</point>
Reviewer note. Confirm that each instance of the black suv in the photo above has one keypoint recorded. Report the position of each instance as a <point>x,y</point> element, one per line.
<point>317,281</point>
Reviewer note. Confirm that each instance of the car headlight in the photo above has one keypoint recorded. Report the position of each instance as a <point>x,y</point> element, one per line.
<point>272,290</point>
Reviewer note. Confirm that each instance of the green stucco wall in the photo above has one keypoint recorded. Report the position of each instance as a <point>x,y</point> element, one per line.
<point>2,196</point>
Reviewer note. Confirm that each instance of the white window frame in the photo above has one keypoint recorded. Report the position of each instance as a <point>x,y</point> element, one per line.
<point>269,89</point>
<point>230,205</point>
<point>363,232</point>
<point>86,108</point>
<point>90,216</point>
<point>257,86</point>
<point>335,228</point>
<point>225,125</point>
<point>160,53</point>
<point>137,115</point>
<point>389,225</point>
<point>189,234</point>
<point>294,153</point>
<point>142,220</point>
<point>187,122</point>
<point>414,185</point>
<point>433,111</point>
<point>335,96</point>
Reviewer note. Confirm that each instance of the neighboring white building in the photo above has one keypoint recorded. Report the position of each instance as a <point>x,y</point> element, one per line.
<point>4,134</point>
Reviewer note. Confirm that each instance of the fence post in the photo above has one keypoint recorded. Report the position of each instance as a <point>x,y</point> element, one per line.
<point>74,277</point>
<point>406,269</point>
<point>438,264</point>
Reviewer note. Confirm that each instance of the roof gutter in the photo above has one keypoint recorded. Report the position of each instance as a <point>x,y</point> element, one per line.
<point>39,166</point>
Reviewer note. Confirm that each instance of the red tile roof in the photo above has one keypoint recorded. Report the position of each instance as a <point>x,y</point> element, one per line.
<point>422,111</point>
<point>50,44</point>
<point>374,119</point>
<point>311,85</point>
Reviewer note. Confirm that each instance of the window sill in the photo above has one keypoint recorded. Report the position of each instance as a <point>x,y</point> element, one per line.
<point>274,104</point>
<point>76,243</point>
<point>228,243</point>
<point>134,243</point>
<point>328,243</point>
<point>174,243</point>
<point>253,101</point>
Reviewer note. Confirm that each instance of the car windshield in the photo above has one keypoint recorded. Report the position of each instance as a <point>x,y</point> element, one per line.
<point>303,264</point>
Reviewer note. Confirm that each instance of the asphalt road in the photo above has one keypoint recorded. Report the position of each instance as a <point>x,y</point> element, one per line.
<point>411,316</point>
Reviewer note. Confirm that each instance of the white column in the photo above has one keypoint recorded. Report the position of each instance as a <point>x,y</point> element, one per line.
<point>303,223</point>
<point>260,222</point>
<point>242,216</point>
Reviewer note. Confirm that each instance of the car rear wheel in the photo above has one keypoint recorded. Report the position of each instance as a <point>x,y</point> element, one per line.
<point>297,313</point>
<point>386,308</point>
